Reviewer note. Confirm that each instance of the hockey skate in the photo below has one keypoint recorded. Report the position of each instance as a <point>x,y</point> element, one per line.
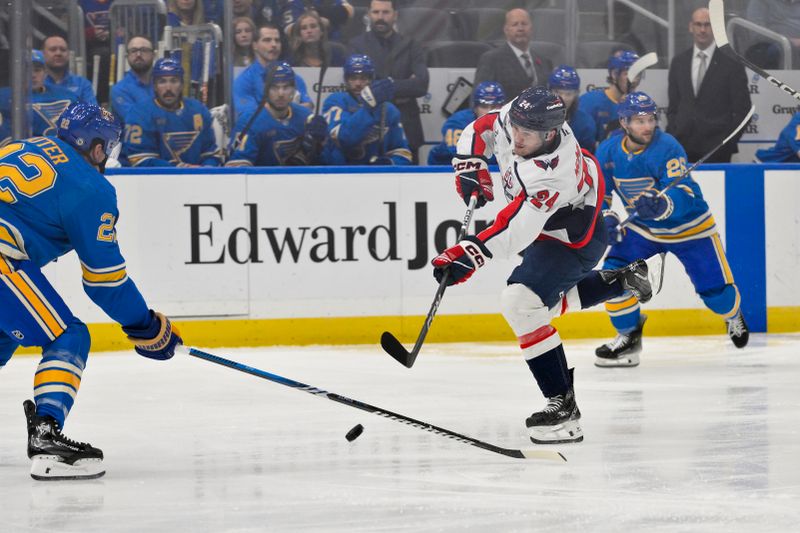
<point>624,350</point>
<point>558,422</point>
<point>55,456</point>
<point>738,330</point>
<point>642,278</point>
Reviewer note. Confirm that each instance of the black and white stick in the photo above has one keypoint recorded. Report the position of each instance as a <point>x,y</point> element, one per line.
<point>700,161</point>
<point>716,12</point>
<point>275,378</point>
<point>389,342</point>
<point>322,69</point>
<point>241,137</point>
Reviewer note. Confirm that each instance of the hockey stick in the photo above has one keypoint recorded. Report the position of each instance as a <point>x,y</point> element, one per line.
<point>275,378</point>
<point>641,64</point>
<point>241,136</point>
<point>716,12</point>
<point>389,342</point>
<point>322,69</point>
<point>686,172</point>
<point>206,72</point>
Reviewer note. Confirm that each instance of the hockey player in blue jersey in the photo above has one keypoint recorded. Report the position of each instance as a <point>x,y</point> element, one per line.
<point>565,82</point>
<point>365,125</point>
<point>787,147</point>
<point>601,105</point>
<point>248,87</point>
<point>170,130</point>
<point>54,199</point>
<point>638,163</point>
<point>47,102</point>
<point>282,132</point>
<point>487,96</point>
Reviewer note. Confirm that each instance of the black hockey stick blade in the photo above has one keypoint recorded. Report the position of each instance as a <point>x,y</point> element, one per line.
<point>397,417</point>
<point>716,14</point>
<point>395,348</point>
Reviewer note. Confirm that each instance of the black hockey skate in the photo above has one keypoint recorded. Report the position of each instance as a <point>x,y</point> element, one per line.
<point>624,350</point>
<point>738,330</point>
<point>558,422</point>
<point>54,455</point>
<point>642,278</point>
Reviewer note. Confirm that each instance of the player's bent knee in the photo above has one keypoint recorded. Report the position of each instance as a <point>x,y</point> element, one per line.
<point>71,346</point>
<point>523,309</point>
<point>722,300</point>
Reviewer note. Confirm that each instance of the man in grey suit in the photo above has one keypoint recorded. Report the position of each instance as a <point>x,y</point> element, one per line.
<point>514,65</point>
<point>708,95</point>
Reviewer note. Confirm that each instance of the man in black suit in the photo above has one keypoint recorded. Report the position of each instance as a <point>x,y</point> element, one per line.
<point>514,65</point>
<point>400,58</point>
<point>708,95</point>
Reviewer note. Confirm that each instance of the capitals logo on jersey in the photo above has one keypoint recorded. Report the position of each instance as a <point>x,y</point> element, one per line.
<point>547,164</point>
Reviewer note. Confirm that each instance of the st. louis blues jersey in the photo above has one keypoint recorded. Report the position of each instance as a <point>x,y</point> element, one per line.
<point>46,106</point>
<point>157,137</point>
<point>78,85</point>
<point>584,129</point>
<point>554,196</point>
<point>129,93</point>
<point>786,148</point>
<point>270,141</point>
<point>601,108</point>
<point>443,153</point>
<point>51,202</point>
<point>630,174</point>
<point>356,130</point>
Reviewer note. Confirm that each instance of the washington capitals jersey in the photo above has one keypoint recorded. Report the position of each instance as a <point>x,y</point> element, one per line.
<point>630,174</point>
<point>270,141</point>
<point>556,195</point>
<point>248,89</point>
<point>157,137</point>
<point>601,108</point>
<point>46,106</point>
<point>356,130</point>
<point>787,146</point>
<point>51,202</point>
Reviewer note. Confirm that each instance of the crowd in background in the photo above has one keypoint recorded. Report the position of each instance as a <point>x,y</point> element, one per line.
<point>376,120</point>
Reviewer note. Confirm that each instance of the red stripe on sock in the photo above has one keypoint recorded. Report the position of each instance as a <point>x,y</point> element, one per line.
<point>536,336</point>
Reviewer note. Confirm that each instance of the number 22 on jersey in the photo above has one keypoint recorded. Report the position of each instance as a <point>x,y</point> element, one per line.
<point>27,174</point>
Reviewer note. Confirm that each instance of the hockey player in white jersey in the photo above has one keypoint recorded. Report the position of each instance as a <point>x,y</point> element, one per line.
<point>555,194</point>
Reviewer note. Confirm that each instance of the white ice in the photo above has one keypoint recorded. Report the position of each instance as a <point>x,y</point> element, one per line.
<point>700,437</point>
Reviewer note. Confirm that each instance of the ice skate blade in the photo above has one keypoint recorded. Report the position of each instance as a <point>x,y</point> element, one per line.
<point>625,361</point>
<point>565,433</point>
<point>49,468</point>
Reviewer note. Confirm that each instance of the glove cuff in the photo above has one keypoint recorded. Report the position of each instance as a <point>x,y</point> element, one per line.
<point>670,207</point>
<point>476,250</point>
<point>610,213</point>
<point>469,162</point>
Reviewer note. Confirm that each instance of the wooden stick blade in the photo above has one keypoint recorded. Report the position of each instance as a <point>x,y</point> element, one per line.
<point>641,64</point>
<point>395,348</point>
<point>716,14</point>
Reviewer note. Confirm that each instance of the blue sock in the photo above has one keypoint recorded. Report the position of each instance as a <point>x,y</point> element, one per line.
<point>592,290</point>
<point>551,372</point>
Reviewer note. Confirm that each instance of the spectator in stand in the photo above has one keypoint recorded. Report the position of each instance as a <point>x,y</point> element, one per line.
<point>333,13</point>
<point>601,104</point>
<point>781,16</point>
<point>787,147</point>
<point>136,88</point>
<point>565,82</point>
<point>170,130</point>
<point>214,11</point>
<point>56,57</point>
<point>487,96</point>
<point>244,30</point>
<point>248,87</point>
<point>309,45</point>
<point>97,29</point>
<point>185,13</point>
<point>364,124</point>
<point>708,95</point>
<point>47,103</point>
<point>282,132</point>
<point>514,65</point>
<point>399,59</point>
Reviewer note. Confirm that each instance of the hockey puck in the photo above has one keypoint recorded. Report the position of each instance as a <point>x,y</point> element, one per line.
<point>354,433</point>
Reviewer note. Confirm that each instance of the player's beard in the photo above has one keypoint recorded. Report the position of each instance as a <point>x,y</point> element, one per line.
<point>640,141</point>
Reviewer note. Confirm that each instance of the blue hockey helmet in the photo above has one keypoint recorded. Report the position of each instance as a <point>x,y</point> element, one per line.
<point>81,124</point>
<point>636,104</point>
<point>279,72</point>
<point>359,64</point>
<point>488,93</point>
<point>565,78</point>
<point>622,60</point>
<point>167,67</point>
<point>538,109</point>
<point>37,57</point>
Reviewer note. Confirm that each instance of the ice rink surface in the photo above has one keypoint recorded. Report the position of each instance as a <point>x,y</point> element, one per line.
<point>701,437</point>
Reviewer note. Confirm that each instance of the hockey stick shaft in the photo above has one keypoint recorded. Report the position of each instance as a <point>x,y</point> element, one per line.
<point>390,343</point>
<point>716,13</point>
<point>382,126</point>
<point>322,69</point>
<point>242,135</point>
<point>403,419</point>
<point>699,162</point>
